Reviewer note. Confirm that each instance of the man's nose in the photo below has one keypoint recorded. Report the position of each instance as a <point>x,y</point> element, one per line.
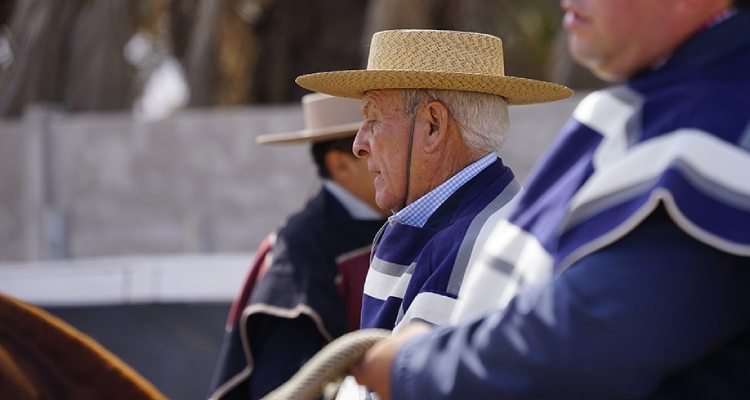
<point>359,148</point>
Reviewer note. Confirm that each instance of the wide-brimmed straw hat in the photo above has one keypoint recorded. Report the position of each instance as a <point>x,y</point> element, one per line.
<point>435,59</point>
<point>326,118</point>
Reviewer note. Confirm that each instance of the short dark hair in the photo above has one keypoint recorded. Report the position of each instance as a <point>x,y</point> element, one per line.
<point>320,149</point>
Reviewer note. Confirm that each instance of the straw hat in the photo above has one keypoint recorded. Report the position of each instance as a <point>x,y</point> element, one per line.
<point>435,59</point>
<point>326,118</point>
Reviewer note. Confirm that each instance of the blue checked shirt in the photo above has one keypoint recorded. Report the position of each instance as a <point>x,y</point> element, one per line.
<point>417,213</point>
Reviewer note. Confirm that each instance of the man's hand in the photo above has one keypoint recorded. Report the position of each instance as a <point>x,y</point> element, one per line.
<point>375,369</point>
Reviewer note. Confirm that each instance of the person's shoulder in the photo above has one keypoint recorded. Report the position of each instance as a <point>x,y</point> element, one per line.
<point>716,107</point>
<point>714,102</point>
<point>303,224</point>
<point>490,192</point>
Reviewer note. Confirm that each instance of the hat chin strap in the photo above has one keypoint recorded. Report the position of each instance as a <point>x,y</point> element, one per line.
<point>415,104</point>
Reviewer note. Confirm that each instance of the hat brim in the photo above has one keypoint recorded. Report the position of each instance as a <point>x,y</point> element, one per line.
<point>311,135</point>
<point>354,84</point>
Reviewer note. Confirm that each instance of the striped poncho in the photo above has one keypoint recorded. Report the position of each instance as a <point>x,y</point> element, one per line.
<point>416,272</point>
<point>641,208</point>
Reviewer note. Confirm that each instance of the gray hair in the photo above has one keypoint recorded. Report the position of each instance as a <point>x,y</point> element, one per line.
<point>482,118</point>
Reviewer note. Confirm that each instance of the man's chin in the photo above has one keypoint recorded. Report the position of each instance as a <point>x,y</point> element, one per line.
<point>389,205</point>
<point>595,65</point>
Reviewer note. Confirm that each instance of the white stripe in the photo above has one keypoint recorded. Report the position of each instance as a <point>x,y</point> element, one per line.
<point>381,286</point>
<point>489,226</point>
<point>656,196</point>
<point>485,287</point>
<point>695,231</point>
<point>608,114</point>
<point>427,306</point>
<point>714,159</point>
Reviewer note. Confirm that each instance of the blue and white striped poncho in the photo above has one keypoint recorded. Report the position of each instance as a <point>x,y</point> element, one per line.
<point>655,141</point>
<point>416,272</point>
<point>642,209</point>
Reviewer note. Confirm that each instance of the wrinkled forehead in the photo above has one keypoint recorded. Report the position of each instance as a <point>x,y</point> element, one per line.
<point>382,100</point>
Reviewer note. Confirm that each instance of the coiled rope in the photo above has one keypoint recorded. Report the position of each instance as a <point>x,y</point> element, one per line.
<point>330,365</point>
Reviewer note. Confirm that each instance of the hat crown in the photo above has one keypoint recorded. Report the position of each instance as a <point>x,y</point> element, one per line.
<point>325,118</point>
<point>321,111</point>
<point>435,59</point>
<point>436,51</point>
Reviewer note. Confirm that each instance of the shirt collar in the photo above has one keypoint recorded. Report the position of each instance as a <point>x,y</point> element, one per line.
<point>417,213</point>
<point>357,208</point>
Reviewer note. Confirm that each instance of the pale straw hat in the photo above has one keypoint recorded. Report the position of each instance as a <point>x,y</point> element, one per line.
<point>326,118</point>
<point>435,59</point>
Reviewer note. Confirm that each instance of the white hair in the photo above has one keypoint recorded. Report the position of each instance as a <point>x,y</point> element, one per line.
<point>482,118</point>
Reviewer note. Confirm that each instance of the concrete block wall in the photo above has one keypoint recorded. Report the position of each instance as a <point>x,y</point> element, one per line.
<point>12,169</point>
<point>103,185</point>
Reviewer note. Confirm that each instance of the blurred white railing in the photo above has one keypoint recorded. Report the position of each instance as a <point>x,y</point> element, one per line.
<point>183,278</point>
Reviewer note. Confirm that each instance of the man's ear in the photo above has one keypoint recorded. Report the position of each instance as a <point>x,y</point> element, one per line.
<point>436,114</point>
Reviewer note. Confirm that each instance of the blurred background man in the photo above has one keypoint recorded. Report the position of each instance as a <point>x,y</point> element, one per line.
<point>305,287</point>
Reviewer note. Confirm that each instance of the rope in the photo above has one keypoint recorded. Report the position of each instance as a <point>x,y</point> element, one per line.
<point>331,364</point>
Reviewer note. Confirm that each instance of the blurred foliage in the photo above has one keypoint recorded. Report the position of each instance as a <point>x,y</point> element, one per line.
<point>528,28</point>
<point>98,55</point>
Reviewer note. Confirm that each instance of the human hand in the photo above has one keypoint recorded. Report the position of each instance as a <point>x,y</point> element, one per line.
<point>374,371</point>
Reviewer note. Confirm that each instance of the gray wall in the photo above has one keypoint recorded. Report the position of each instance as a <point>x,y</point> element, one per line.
<point>93,185</point>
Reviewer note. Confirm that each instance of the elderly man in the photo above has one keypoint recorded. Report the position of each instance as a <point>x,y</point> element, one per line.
<point>640,208</point>
<point>305,286</point>
<point>435,108</point>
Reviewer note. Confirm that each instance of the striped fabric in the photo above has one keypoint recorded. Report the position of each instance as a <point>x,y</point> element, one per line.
<point>418,212</point>
<point>649,303</point>
<point>627,150</point>
<point>417,272</point>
